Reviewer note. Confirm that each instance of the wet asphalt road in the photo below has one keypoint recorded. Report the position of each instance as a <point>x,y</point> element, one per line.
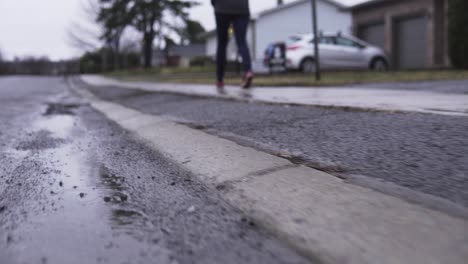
<point>423,152</point>
<point>75,188</point>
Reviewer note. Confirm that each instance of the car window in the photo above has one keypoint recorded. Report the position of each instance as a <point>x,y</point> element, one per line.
<point>346,42</point>
<point>325,40</point>
<point>292,40</point>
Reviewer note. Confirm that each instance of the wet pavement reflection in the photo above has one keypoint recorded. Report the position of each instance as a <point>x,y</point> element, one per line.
<point>88,217</point>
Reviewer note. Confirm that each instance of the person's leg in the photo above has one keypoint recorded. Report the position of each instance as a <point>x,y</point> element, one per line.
<point>222,26</point>
<point>241,24</point>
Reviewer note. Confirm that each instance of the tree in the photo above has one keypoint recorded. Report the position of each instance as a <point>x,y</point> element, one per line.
<point>82,38</point>
<point>151,19</point>
<point>1,63</point>
<point>190,34</point>
<point>91,62</point>
<point>154,19</point>
<point>458,33</point>
<point>32,66</point>
<point>115,19</point>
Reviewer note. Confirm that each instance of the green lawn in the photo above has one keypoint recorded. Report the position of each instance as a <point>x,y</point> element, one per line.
<point>206,76</point>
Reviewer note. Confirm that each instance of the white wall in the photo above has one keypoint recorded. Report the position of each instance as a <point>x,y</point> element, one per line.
<point>278,26</point>
<point>211,46</point>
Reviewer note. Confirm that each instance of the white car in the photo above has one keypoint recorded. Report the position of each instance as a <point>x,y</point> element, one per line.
<point>336,51</point>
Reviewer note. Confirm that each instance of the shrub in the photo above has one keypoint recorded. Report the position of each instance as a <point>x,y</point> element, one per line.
<point>458,33</point>
<point>201,61</point>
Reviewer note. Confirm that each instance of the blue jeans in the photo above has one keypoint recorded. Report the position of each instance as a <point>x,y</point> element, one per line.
<point>240,24</point>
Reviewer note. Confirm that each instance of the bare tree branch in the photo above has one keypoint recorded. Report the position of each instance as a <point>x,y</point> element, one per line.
<point>90,9</point>
<point>84,35</point>
<point>81,39</point>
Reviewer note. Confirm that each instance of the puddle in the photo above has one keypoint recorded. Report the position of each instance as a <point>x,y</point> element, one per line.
<point>16,153</point>
<point>89,218</point>
<point>122,217</point>
<point>60,109</point>
<point>59,126</point>
<point>40,140</point>
<point>49,133</point>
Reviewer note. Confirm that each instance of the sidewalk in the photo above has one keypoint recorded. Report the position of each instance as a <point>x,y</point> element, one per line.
<point>355,97</point>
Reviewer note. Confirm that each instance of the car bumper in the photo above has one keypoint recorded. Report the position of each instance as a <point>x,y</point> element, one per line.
<point>292,64</point>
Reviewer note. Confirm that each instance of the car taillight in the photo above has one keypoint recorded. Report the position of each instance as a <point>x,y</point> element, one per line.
<point>294,47</point>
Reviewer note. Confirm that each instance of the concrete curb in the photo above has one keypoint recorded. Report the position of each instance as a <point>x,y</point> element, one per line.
<point>393,101</point>
<point>321,216</point>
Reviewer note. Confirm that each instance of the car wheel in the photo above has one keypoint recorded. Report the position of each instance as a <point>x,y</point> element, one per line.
<point>308,66</point>
<point>379,64</point>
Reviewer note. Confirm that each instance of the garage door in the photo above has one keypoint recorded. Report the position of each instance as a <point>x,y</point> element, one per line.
<point>374,34</point>
<point>410,43</point>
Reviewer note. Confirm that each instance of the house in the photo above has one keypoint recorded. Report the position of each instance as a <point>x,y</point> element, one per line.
<point>279,23</point>
<point>285,20</point>
<point>177,55</point>
<point>183,54</point>
<point>412,32</point>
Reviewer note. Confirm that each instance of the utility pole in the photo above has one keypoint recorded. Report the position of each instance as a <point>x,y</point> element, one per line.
<point>316,39</point>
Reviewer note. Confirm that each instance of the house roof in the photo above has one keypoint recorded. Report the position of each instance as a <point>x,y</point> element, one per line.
<point>191,50</point>
<point>370,3</point>
<point>299,2</point>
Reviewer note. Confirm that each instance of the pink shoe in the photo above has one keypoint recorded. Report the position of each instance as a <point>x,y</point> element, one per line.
<point>220,88</point>
<point>247,80</point>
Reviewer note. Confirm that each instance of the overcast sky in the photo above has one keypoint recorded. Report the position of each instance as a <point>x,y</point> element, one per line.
<point>39,27</point>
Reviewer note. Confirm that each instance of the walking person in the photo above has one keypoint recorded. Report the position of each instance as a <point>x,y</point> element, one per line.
<point>235,13</point>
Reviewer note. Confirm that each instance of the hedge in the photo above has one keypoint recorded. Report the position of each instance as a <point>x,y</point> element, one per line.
<point>458,33</point>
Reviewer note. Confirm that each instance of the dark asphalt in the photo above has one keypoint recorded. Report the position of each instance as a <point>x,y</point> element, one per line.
<point>75,188</point>
<point>424,152</point>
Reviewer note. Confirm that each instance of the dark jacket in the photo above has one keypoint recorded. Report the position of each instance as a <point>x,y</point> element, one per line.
<point>234,7</point>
